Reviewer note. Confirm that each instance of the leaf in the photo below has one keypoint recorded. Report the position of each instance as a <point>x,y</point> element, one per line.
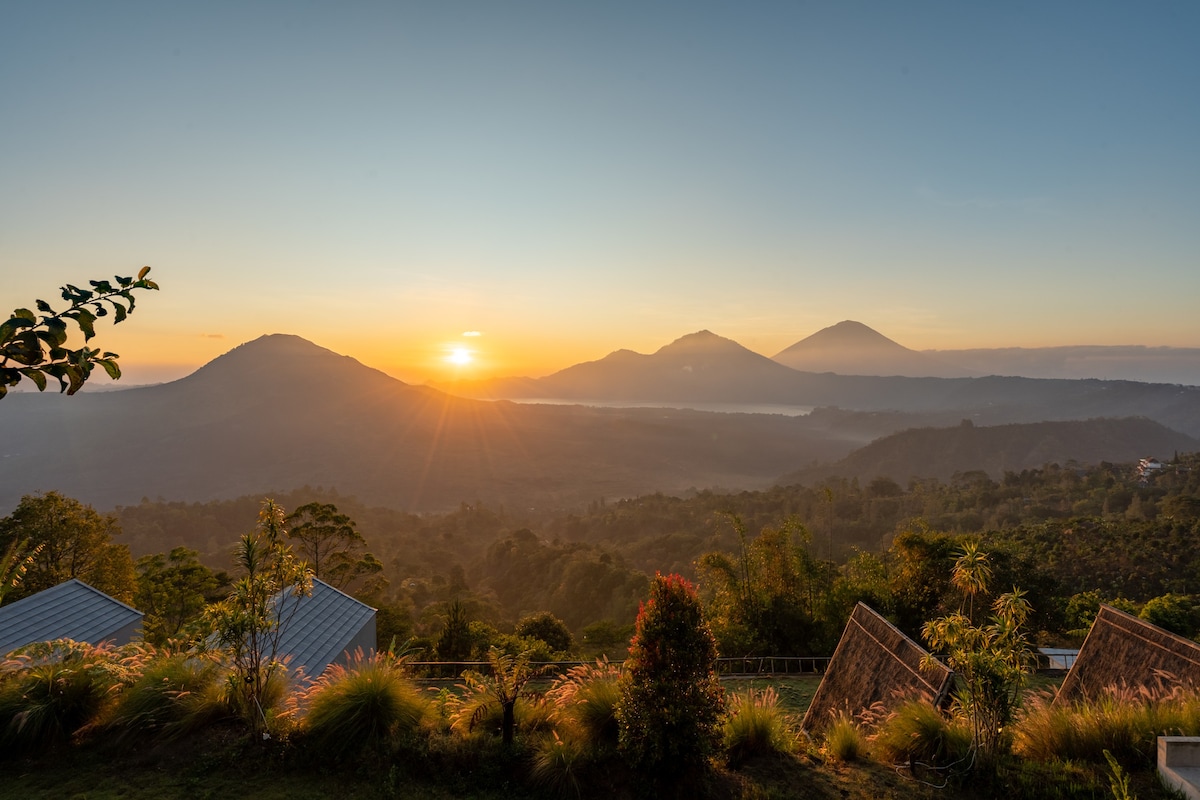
<point>44,307</point>
<point>110,366</point>
<point>121,313</point>
<point>103,287</point>
<point>24,313</point>
<point>86,320</point>
<point>142,272</point>
<point>34,374</point>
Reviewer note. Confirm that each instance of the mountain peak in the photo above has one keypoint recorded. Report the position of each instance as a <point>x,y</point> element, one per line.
<point>852,348</point>
<point>286,361</point>
<point>704,341</point>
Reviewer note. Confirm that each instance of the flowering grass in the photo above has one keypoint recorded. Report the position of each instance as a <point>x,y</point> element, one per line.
<point>362,707</point>
<point>756,726</point>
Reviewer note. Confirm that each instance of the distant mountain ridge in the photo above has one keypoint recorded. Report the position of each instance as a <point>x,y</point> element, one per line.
<point>279,413</point>
<point>941,453</point>
<point>704,368</point>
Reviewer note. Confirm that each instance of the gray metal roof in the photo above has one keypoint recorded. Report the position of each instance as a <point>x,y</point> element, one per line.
<point>322,627</point>
<point>71,610</point>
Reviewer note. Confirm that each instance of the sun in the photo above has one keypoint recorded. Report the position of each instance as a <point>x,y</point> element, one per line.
<point>460,357</point>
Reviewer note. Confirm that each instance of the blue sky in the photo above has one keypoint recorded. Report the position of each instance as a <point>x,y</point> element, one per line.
<point>568,179</point>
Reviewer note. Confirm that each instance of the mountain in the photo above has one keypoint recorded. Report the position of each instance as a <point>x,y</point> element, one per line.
<point>1130,363</point>
<point>280,413</point>
<point>703,368</point>
<point>943,452</point>
<point>851,348</point>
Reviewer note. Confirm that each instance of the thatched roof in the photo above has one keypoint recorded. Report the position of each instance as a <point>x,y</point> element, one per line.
<point>874,663</point>
<point>1122,650</point>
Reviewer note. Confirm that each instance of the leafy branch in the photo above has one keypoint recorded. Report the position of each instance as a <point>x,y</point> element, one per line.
<point>34,347</point>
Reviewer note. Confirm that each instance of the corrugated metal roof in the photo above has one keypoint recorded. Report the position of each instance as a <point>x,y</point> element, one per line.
<point>71,610</point>
<point>321,627</point>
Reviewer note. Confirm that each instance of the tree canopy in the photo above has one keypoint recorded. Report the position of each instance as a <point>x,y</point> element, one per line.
<point>66,540</point>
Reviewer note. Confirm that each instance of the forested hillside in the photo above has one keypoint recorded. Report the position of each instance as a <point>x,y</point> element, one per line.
<point>1059,531</point>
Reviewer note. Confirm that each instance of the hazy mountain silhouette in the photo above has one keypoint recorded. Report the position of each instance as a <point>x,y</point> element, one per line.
<point>705,368</point>
<point>852,348</point>
<point>280,412</point>
<point>943,452</point>
<point>1130,363</point>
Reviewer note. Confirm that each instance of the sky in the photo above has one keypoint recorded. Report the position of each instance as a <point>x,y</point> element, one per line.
<point>560,180</point>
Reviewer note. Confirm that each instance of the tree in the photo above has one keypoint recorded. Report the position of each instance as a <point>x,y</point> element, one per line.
<point>990,660</point>
<point>34,347</point>
<point>764,600</point>
<point>248,624</point>
<point>331,544</point>
<point>671,700</point>
<point>509,675</point>
<point>69,540</point>
<point>547,628</point>
<point>173,591</point>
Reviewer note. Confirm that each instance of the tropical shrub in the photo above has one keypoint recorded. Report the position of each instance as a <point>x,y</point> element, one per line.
<point>671,701</point>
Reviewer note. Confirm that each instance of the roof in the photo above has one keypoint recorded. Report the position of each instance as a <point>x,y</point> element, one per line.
<point>323,626</point>
<point>1125,651</point>
<point>71,610</point>
<point>874,663</point>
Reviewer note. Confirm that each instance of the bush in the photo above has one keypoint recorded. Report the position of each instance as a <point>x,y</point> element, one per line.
<point>1124,722</point>
<point>918,734</point>
<point>174,695</point>
<point>50,691</point>
<point>671,700</point>
<point>756,726</point>
<point>845,740</point>
<point>585,699</point>
<point>362,707</point>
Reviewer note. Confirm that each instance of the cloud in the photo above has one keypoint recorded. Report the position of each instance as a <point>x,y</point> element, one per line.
<point>472,333</point>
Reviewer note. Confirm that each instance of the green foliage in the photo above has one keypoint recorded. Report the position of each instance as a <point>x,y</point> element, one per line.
<point>756,726</point>
<point>248,624</point>
<point>764,601</point>
<point>845,741</point>
<point>15,562</point>
<point>990,661</point>
<point>1122,721</point>
<point>1119,780</point>
<point>50,690</point>
<point>333,547</point>
<point>585,700</point>
<point>916,733</point>
<point>174,695</point>
<point>173,591</point>
<point>455,642</point>
<point>68,540</point>
<point>504,684</point>
<point>1178,613</point>
<point>671,699</point>
<point>547,628</point>
<point>33,345</point>
<point>362,707</point>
